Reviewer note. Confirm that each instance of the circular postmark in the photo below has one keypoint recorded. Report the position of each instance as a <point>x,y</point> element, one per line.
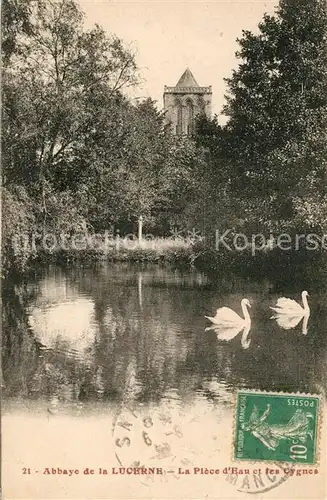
<point>262,478</point>
<point>159,441</point>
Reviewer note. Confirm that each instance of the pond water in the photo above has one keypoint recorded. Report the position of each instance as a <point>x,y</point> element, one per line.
<point>88,334</point>
<point>86,344</point>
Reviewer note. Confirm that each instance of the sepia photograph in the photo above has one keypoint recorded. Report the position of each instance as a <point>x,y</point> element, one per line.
<point>164,249</point>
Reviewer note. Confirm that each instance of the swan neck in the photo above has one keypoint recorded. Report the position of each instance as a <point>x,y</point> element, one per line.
<point>305,303</point>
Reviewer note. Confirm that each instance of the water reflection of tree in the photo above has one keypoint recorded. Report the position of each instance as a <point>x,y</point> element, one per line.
<point>29,368</point>
<point>158,341</point>
<point>18,345</point>
<point>147,341</point>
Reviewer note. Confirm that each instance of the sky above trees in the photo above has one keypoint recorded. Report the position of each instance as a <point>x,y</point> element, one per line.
<point>170,35</point>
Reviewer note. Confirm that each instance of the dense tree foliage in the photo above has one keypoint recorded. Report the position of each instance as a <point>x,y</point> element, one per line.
<point>274,144</point>
<point>53,89</point>
<point>84,154</point>
<point>79,154</point>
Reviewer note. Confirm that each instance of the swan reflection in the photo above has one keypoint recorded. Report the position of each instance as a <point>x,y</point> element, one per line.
<point>289,322</point>
<point>229,333</point>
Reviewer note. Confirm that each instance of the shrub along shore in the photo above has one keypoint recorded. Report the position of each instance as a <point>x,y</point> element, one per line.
<point>154,250</point>
<point>297,266</point>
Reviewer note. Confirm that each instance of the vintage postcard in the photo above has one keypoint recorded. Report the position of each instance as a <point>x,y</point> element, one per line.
<point>164,237</point>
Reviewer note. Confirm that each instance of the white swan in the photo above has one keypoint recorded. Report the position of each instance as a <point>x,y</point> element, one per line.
<point>288,313</point>
<point>291,307</point>
<point>227,318</point>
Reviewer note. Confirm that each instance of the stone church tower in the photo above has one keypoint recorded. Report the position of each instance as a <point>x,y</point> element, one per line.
<point>184,101</point>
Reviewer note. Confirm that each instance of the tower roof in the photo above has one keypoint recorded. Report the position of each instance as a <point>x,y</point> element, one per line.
<point>187,80</point>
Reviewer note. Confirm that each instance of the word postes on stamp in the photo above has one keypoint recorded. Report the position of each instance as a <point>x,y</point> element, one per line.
<point>277,427</point>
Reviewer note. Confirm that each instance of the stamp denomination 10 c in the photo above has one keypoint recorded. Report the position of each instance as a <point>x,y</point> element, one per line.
<point>277,427</point>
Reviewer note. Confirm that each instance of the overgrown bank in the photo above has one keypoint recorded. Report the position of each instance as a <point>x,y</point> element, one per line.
<point>304,267</point>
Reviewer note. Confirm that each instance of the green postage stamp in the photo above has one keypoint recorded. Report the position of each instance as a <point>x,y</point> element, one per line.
<point>277,426</point>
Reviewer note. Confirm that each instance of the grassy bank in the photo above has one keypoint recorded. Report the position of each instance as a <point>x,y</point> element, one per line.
<point>162,250</point>
<point>301,267</point>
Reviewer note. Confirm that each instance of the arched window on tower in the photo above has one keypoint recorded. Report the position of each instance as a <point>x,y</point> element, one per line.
<point>179,123</point>
<point>190,116</point>
<point>202,106</point>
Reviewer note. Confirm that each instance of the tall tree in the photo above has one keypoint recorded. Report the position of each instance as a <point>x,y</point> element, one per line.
<point>277,108</point>
<point>53,90</point>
